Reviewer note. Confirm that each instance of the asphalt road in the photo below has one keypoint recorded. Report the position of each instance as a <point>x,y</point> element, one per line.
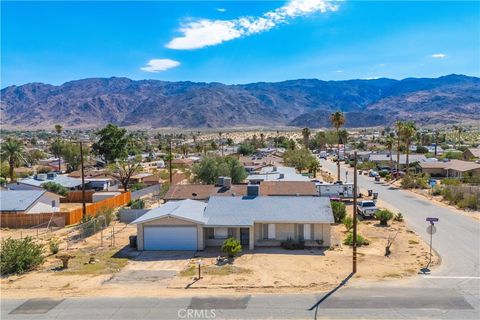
<point>451,291</point>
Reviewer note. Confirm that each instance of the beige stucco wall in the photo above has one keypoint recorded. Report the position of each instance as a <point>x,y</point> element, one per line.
<point>170,222</point>
<point>283,231</point>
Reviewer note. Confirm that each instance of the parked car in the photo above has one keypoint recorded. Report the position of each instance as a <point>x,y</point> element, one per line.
<point>323,155</point>
<point>367,208</point>
<point>372,173</point>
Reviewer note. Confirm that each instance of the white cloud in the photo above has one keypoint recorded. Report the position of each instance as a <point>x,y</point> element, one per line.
<point>157,65</point>
<point>438,55</point>
<point>221,9</point>
<point>204,32</point>
<point>339,71</point>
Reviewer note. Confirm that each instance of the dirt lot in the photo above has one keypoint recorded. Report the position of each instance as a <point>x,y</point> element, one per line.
<point>119,271</point>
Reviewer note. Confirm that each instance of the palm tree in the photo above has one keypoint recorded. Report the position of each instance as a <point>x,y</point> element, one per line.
<point>59,129</point>
<point>408,133</point>
<point>221,142</point>
<point>337,119</point>
<point>398,126</point>
<point>389,143</point>
<point>12,151</point>
<point>459,132</point>
<point>262,138</point>
<point>306,137</point>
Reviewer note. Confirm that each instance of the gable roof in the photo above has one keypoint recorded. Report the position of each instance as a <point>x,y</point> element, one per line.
<point>19,200</point>
<point>63,180</point>
<point>245,211</point>
<point>474,151</point>
<point>202,191</point>
<point>190,210</point>
<point>456,165</point>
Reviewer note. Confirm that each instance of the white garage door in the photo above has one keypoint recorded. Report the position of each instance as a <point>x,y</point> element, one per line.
<point>170,238</point>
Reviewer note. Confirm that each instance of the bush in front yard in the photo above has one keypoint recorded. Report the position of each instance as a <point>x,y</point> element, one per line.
<point>291,244</point>
<point>231,247</point>
<point>20,256</point>
<point>348,223</point>
<point>138,204</point>
<point>339,211</point>
<point>361,241</point>
<point>384,215</point>
<point>54,246</point>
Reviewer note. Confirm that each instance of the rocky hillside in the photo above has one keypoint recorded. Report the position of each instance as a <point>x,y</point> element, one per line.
<point>151,103</point>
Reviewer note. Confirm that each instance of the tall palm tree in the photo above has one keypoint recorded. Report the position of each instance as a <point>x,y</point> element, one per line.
<point>306,137</point>
<point>389,143</point>
<point>13,151</point>
<point>262,138</point>
<point>337,119</point>
<point>459,132</point>
<point>59,129</point>
<point>408,133</point>
<point>398,126</point>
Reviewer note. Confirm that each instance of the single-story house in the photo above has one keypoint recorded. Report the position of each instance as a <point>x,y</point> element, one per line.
<point>35,183</point>
<point>140,177</point>
<point>276,174</point>
<point>361,155</point>
<point>254,221</point>
<point>224,187</point>
<point>385,158</point>
<point>29,201</point>
<point>101,184</point>
<point>452,168</point>
<point>471,154</point>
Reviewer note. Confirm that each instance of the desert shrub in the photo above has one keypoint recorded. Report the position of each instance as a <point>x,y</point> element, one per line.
<point>367,165</point>
<point>384,216</point>
<point>451,182</point>
<point>361,241</point>
<point>388,177</point>
<point>54,246</point>
<point>412,181</point>
<point>43,169</point>
<point>105,215</point>
<point>398,217</point>
<point>348,223</point>
<point>137,186</point>
<point>339,211</point>
<point>231,247</point>
<point>20,256</point>
<point>138,204</point>
<point>383,174</point>
<point>469,201</point>
<point>291,244</point>
<point>437,190</point>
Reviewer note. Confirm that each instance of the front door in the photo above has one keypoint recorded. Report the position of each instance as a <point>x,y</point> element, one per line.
<point>244,236</point>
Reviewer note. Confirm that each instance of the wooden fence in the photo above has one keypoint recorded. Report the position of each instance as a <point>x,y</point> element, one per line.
<point>76,196</point>
<point>24,220</point>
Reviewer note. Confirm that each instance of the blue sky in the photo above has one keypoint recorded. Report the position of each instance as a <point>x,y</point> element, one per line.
<point>234,42</point>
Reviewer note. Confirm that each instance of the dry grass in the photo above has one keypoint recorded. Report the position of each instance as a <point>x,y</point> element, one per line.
<point>214,270</point>
<point>106,262</point>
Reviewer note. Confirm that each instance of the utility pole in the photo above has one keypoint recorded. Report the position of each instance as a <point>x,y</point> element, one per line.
<point>84,206</point>
<point>170,160</point>
<point>354,244</point>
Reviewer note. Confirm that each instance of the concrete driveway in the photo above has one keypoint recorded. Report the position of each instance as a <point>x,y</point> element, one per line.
<point>153,266</point>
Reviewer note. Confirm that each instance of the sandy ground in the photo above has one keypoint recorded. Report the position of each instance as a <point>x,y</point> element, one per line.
<point>267,270</point>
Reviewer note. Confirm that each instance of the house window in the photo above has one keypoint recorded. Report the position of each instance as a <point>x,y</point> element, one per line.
<point>300,232</point>
<point>209,233</point>
<point>231,232</point>
<point>265,231</point>
<point>221,233</point>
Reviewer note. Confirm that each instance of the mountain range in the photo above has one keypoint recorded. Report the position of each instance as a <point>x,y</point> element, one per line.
<point>94,102</point>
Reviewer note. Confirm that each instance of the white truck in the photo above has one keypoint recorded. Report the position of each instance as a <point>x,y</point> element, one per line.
<point>367,208</point>
<point>338,190</point>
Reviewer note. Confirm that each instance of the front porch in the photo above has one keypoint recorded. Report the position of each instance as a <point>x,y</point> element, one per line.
<point>215,236</point>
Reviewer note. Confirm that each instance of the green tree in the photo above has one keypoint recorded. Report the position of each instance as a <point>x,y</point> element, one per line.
<point>13,151</point>
<point>112,143</point>
<point>389,144</point>
<point>301,159</point>
<point>55,188</point>
<point>337,119</point>
<point>306,137</point>
<point>384,216</point>
<point>399,128</point>
<point>339,211</point>
<point>71,154</point>
<point>211,167</point>
<point>124,169</point>
<point>246,149</point>
<point>407,133</point>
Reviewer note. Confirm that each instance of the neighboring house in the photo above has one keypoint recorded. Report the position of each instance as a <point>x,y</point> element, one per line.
<point>452,168</point>
<point>36,182</point>
<point>152,180</point>
<point>254,221</point>
<point>471,154</point>
<point>224,187</point>
<point>101,184</point>
<point>183,162</point>
<point>140,177</point>
<point>276,174</point>
<point>28,201</point>
<point>361,155</point>
<point>385,158</point>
